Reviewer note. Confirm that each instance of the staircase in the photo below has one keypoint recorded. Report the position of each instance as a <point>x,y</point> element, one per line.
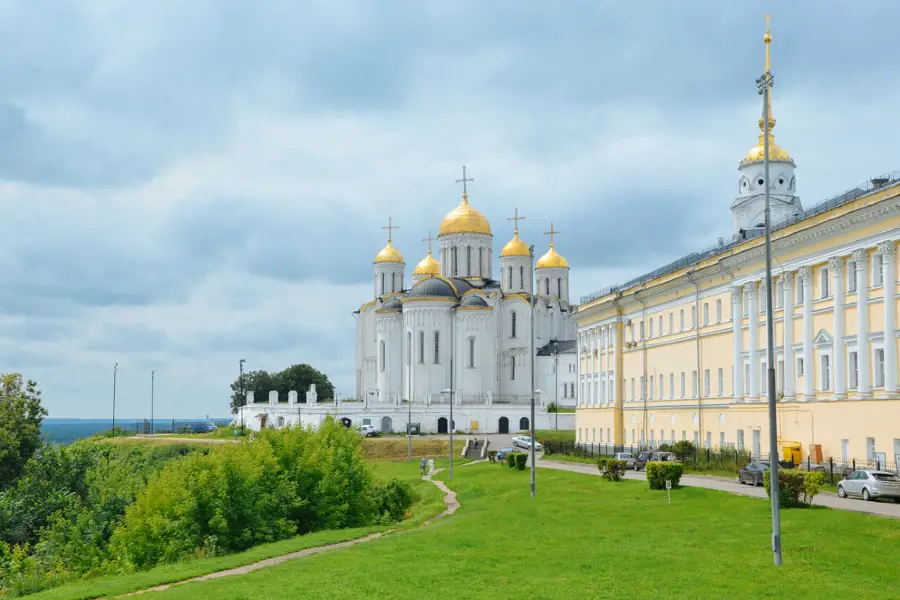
<point>475,453</point>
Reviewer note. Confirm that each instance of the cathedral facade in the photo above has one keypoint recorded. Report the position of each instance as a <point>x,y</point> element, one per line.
<point>680,353</point>
<point>462,333</point>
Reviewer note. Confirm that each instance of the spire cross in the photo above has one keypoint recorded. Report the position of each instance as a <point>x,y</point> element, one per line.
<point>552,233</point>
<point>463,181</point>
<point>429,239</point>
<point>390,227</point>
<point>516,220</point>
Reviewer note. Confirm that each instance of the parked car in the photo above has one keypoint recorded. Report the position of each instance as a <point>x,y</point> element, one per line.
<point>753,473</point>
<point>628,457</point>
<point>870,484</point>
<point>503,452</point>
<point>367,430</point>
<point>524,441</point>
<point>647,456</point>
<point>203,427</point>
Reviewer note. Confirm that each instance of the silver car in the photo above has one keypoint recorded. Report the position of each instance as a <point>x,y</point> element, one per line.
<point>524,441</point>
<point>870,484</point>
<point>628,457</point>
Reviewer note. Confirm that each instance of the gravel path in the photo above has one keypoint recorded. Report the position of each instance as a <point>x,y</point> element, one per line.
<point>449,499</point>
<point>881,508</point>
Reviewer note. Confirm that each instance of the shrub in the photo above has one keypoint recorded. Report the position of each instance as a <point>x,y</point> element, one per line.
<point>683,448</point>
<point>796,488</point>
<point>492,455</point>
<point>511,460</point>
<point>660,472</point>
<point>392,499</point>
<point>611,469</point>
<point>552,407</point>
<point>521,461</point>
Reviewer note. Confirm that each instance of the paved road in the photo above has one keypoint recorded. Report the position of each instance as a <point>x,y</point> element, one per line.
<point>882,508</point>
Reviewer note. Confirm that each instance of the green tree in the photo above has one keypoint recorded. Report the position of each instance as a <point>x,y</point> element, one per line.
<point>295,378</point>
<point>21,415</point>
<point>258,382</point>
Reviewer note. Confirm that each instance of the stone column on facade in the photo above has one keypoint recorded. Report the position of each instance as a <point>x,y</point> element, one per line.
<point>861,257</point>
<point>736,318</point>
<point>839,352</point>
<point>753,339</point>
<point>808,367</point>
<point>888,252</point>
<point>789,360</point>
<point>615,361</point>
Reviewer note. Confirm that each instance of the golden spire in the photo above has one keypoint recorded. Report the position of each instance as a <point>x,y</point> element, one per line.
<point>776,152</point>
<point>515,246</point>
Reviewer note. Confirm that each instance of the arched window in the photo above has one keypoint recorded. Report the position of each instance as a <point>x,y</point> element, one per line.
<point>453,264</point>
<point>559,287</point>
<point>381,291</point>
<point>509,277</point>
<point>468,261</point>
<point>471,353</point>
<point>437,347</point>
<point>513,325</point>
<point>547,286</point>
<point>381,354</point>
<point>522,277</point>
<point>481,262</point>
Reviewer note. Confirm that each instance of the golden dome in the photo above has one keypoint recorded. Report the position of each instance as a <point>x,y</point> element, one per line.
<point>428,266</point>
<point>465,219</point>
<point>552,260</point>
<point>389,254</point>
<point>515,247</point>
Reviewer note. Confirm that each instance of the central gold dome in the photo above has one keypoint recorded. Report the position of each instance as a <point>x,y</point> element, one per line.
<point>465,219</point>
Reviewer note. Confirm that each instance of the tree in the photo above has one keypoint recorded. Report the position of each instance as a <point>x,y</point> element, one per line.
<point>21,415</point>
<point>295,378</point>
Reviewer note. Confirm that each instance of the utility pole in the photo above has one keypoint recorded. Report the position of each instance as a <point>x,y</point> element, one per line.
<point>531,345</point>
<point>764,85</point>
<point>152,382</point>
<point>556,386</point>
<point>452,328</point>
<point>409,397</point>
<point>115,373</point>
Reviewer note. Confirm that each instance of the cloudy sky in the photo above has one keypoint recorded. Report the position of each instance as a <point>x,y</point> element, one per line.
<point>184,184</point>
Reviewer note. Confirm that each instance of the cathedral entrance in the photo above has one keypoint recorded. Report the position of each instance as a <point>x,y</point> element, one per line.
<point>523,424</point>
<point>504,425</point>
<point>386,425</point>
<point>442,425</point>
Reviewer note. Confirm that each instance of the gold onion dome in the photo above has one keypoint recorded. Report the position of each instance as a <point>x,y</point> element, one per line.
<point>776,152</point>
<point>428,266</point>
<point>552,260</point>
<point>389,254</point>
<point>515,247</point>
<point>465,219</point>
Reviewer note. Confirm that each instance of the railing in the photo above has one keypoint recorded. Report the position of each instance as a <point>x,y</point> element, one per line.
<point>518,400</point>
<point>725,246</point>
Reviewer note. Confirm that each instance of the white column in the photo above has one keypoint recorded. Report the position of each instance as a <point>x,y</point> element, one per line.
<point>789,360</point>
<point>808,367</point>
<point>888,252</point>
<point>736,318</point>
<point>839,352</point>
<point>861,257</point>
<point>614,357</point>
<point>753,339</point>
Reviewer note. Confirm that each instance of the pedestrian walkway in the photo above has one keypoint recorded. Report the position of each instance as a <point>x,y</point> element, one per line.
<point>884,509</point>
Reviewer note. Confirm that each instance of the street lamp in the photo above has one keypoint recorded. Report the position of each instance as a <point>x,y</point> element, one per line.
<point>452,341</point>
<point>556,386</point>
<point>764,84</point>
<point>531,335</point>
<point>115,373</point>
<point>409,397</point>
<point>243,397</point>
<point>152,382</point>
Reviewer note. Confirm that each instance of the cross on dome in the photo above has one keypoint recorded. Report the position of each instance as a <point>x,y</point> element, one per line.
<point>390,226</point>
<point>515,246</point>
<point>552,233</point>
<point>464,180</point>
<point>389,254</point>
<point>552,259</point>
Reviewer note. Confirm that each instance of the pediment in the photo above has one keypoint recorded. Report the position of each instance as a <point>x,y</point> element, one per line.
<point>823,338</point>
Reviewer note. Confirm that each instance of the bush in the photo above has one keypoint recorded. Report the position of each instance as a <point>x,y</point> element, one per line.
<point>521,461</point>
<point>392,499</point>
<point>796,488</point>
<point>492,455</point>
<point>658,472</point>
<point>552,407</point>
<point>683,448</point>
<point>511,460</point>
<point>611,469</point>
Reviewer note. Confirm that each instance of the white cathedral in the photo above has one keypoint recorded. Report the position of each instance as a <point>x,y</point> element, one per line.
<point>460,334</point>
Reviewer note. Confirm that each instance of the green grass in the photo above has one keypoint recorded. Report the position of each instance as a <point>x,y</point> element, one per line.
<point>591,538</point>
<point>430,503</point>
<point>555,435</point>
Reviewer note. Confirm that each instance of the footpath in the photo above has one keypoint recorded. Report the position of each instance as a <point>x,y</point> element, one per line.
<point>884,509</point>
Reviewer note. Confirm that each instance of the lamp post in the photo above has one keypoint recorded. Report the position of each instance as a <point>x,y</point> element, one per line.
<point>152,382</point>
<point>531,335</point>
<point>409,397</point>
<point>243,398</point>
<point>556,386</point>
<point>452,333</point>
<point>115,373</point>
<point>764,85</point>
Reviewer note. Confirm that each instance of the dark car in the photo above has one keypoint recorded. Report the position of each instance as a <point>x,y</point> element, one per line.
<point>658,456</point>
<point>753,473</point>
<point>203,427</point>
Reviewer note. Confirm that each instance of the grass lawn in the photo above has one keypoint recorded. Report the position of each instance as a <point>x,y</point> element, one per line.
<point>555,435</point>
<point>593,539</point>
<point>430,503</point>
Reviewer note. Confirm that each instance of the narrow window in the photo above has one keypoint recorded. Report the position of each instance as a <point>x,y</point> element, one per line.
<point>660,325</point>
<point>468,261</point>
<point>799,285</point>
<point>381,353</point>
<point>879,367</point>
<point>763,378</point>
<point>421,347</point>
<point>682,384</point>
<point>779,294</point>
<point>643,391</point>
<point>706,383</point>
<point>706,313</point>
<point>512,370</point>
<point>693,317</point>
<point>642,330</point>
<point>651,327</point>
<point>853,366</point>
<point>472,353</point>
<point>799,366</point>
<point>661,387</point>
<point>481,261</point>
<point>851,276</point>
<point>547,286</point>
<point>694,383</point>
<point>721,383</point>
<point>671,322</point>
<point>877,271</point>
<point>633,396</point>
<point>522,278</point>
<point>453,261</point>
<point>719,310</point>
<point>826,372</point>
<point>559,287</point>
<point>823,282</point>
<point>514,324</point>
<point>672,385</point>
<point>650,394</point>
<point>437,347</point>
<point>382,285</point>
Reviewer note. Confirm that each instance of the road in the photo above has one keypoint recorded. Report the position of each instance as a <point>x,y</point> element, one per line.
<point>882,508</point>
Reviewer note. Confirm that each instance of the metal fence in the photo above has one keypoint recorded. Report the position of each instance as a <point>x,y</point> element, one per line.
<point>719,460</point>
<point>144,426</point>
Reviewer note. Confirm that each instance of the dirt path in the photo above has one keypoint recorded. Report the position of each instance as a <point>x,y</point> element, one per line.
<point>449,499</point>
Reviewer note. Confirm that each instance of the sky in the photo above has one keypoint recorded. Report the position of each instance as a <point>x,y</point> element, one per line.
<point>185,184</point>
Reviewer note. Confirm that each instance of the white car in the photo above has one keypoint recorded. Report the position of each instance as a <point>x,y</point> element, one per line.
<point>367,430</point>
<point>524,441</point>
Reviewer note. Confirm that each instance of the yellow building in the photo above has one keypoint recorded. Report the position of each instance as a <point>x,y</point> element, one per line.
<point>657,355</point>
